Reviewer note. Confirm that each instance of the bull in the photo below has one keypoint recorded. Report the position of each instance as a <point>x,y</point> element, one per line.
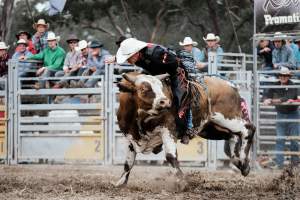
<point>146,116</point>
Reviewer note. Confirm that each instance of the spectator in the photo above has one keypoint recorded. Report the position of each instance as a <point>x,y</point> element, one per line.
<point>297,54</point>
<point>278,97</point>
<point>211,46</point>
<point>27,37</point>
<point>95,64</point>
<point>22,52</point>
<point>264,50</point>
<point>71,64</point>
<point>84,53</point>
<point>282,55</point>
<point>189,46</point>
<point>4,57</point>
<point>39,39</point>
<point>53,58</point>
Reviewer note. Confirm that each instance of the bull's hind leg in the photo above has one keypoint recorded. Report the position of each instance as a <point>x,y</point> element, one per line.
<point>170,149</point>
<point>239,128</point>
<point>130,158</point>
<point>247,141</point>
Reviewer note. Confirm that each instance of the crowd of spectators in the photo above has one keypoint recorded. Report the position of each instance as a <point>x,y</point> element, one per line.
<point>81,59</point>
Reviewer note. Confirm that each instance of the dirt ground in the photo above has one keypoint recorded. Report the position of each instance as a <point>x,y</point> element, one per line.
<point>146,182</point>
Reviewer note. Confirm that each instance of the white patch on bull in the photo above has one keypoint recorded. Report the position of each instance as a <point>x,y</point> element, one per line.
<point>235,125</point>
<point>156,85</point>
<point>232,143</point>
<point>168,141</point>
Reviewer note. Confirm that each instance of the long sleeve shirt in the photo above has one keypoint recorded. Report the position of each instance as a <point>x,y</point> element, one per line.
<point>53,58</point>
<point>18,54</point>
<point>284,57</point>
<point>72,60</point>
<point>98,61</point>
<point>40,43</point>
<point>198,55</point>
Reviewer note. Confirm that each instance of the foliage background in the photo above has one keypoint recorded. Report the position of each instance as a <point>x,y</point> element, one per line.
<point>160,21</point>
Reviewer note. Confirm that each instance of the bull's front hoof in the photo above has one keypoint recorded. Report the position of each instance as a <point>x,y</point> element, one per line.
<point>120,184</point>
<point>245,170</point>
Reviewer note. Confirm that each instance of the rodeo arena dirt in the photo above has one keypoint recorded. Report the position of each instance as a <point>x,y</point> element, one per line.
<point>151,122</point>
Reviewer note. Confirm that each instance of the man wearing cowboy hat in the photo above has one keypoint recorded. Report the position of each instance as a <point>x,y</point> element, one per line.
<point>53,59</point>
<point>27,37</point>
<point>282,55</point>
<point>39,39</point>
<point>23,51</point>
<point>190,46</point>
<point>156,59</point>
<point>211,46</point>
<point>95,64</point>
<point>4,57</point>
<point>280,97</point>
<point>72,62</point>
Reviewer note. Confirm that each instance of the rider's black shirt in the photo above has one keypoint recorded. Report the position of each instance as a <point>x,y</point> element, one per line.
<point>157,59</point>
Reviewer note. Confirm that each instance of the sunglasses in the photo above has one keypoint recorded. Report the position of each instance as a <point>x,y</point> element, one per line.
<point>73,42</point>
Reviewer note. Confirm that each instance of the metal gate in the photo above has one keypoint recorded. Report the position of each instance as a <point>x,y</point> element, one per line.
<point>56,125</point>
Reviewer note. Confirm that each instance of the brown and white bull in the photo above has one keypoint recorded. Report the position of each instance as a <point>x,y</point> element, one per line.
<point>146,117</point>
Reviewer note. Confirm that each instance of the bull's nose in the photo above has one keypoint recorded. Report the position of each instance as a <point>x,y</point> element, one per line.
<point>164,103</point>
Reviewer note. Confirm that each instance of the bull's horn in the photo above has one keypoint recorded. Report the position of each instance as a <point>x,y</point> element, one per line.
<point>129,78</point>
<point>162,76</point>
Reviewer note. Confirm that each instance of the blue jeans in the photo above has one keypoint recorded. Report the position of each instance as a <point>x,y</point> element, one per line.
<point>287,129</point>
<point>189,118</point>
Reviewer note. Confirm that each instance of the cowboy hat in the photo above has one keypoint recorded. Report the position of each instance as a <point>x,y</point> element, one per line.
<point>82,44</point>
<point>3,46</point>
<point>278,36</point>
<point>285,71</point>
<point>188,41</point>
<point>23,32</point>
<point>95,44</point>
<point>41,22</point>
<point>22,41</point>
<point>72,37</point>
<point>209,37</point>
<point>128,48</point>
<point>52,36</point>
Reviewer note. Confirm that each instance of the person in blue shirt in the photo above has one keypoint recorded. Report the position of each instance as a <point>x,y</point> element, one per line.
<point>22,67</point>
<point>190,46</point>
<point>211,46</point>
<point>282,55</point>
<point>297,57</point>
<point>95,64</point>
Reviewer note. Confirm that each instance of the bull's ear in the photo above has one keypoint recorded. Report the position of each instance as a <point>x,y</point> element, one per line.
<point>125,87</point>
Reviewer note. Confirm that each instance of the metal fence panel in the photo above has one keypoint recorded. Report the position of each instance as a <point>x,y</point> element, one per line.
<point>56,125</point>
